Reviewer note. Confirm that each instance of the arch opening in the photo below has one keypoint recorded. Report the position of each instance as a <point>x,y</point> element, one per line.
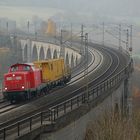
<point>48,54</point>
<point>41,54</point>
<point>72,61</point>
<point>55,54</point>
<point>67,59</point>
<point>34,54</point>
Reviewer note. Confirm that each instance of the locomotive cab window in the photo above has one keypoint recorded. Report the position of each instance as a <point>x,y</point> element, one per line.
<point>15,68</point>
<point>26,68</point>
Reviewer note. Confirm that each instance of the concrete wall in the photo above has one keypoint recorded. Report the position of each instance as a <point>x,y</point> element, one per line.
<point>76,129</point>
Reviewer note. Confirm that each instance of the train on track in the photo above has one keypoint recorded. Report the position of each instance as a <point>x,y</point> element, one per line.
<point>27,80</point>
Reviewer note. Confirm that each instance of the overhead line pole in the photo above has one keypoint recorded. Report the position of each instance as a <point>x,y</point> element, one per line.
<point>28,24</point>
<point>62,50</point>
<point>86,65</point>
<point>7,27</point>
<point>103,33</point>
<point>120,36</point>
<point>82,36</point>
<point>71,35</point>
<point>127,40</point>
<point>131,39</point>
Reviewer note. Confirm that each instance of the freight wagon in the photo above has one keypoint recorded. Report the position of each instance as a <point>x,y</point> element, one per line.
<point>54,72</point>
<point>28,80</point>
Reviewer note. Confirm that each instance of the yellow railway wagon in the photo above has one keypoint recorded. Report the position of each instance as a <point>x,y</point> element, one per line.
<point>53,69</point>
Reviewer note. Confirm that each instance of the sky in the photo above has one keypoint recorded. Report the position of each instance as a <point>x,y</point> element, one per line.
<point>101,7</point>
<point>125,10</point>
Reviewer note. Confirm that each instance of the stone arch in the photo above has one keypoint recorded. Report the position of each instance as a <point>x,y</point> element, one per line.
<point>41,54</point>
<point>34,54</point>
<point>67,59</point>
<point>48,54</point>
<point>55,54</point>
<point>72,61</point>
<point>25,53</point>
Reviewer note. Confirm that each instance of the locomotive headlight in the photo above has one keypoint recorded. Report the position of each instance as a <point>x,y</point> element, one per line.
<point>22,87</point>
<point>5,88</point>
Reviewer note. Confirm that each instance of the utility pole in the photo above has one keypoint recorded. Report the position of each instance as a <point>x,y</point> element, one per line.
<point>7,26</point>
<point>35,31</point>
<point>28,44</point>
<point>55,33</point>
<point>127,40</point>
<point>86,65</point>
<point>28,25</point>
<point>71,36</point>
<point>120,47</point>
<point>62,50</point>
<point>131,39</point>
<point>103,33</point>
<point>82,37</point>
<point>35,35</point>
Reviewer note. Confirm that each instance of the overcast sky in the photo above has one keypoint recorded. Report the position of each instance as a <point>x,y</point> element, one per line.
<point>110,7</point>
<point>128,9</point>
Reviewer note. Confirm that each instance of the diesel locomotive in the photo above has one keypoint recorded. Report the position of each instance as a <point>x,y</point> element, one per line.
<point>27,80</point>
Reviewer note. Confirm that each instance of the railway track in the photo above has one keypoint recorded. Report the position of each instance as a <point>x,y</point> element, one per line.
<point>94,80</point>
<point>4,104</point>
<point>7,108</point>
<point>73,77</point>
<point>2,100</point>
<point>112,66</point>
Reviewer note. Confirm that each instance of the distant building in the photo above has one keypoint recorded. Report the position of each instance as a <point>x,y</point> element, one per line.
<point>51,28</point>
<point>48,28</point>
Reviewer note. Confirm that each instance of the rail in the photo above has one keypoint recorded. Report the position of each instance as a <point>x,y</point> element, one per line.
<point>52,114</point>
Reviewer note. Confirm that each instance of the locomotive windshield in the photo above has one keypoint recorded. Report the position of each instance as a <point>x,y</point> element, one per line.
<point>20,68</point>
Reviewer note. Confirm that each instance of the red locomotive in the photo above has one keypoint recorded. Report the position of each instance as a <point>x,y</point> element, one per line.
<point>24,78</point>
<point>24,81</point>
